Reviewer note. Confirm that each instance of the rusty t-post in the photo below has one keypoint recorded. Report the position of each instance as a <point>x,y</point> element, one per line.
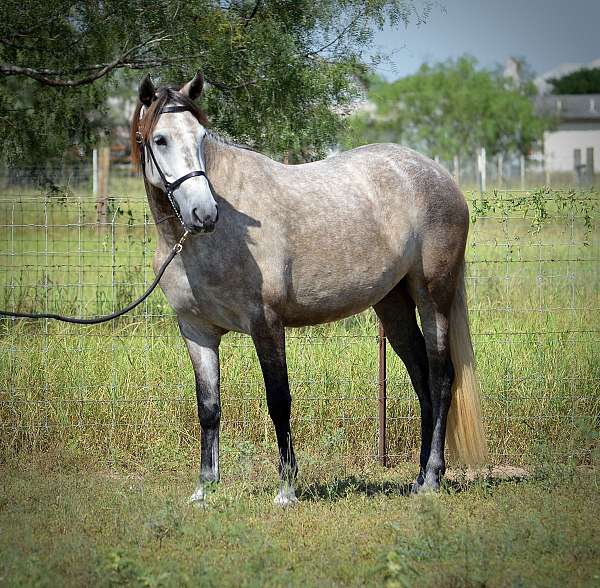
<point>382,397</point>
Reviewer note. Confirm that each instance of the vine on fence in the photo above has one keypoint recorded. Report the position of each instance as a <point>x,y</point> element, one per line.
<point>540,206</point>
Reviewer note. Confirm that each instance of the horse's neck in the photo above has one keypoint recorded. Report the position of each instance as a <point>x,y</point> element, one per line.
<point>218,157</point>
<point>228,165</point>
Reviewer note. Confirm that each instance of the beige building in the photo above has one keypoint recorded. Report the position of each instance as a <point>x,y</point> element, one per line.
<point>574,146</point>
<point>576,140</point>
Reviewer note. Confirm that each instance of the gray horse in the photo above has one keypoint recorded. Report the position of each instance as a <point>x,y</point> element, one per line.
<point>276,246</point>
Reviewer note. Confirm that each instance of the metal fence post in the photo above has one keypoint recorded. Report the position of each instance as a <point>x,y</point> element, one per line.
<point>382,380</point>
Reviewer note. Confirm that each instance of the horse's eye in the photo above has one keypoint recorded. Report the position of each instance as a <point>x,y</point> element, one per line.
<point>160,140</point>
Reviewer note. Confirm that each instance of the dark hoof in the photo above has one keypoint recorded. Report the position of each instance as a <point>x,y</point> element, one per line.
<point>425,484</point>
<point>416,485</point>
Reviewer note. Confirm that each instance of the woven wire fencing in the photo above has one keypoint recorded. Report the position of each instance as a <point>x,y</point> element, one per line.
<point>124,391</point>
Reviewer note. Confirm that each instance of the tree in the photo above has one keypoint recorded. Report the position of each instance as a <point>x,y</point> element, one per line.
<point>276,68</point>
<point>450,109</point>
<point>582,81</point>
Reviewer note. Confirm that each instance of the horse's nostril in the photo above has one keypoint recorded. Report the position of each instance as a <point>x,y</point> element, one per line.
<point>196,215</point>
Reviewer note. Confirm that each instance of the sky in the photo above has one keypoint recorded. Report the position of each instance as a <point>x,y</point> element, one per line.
<point>546,33</point>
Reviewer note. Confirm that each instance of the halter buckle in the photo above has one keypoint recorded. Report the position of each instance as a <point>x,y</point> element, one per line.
<point>179,245</point>
<point>138,138</point>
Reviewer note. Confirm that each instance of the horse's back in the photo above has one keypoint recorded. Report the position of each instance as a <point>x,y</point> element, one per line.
<point>385,179</point>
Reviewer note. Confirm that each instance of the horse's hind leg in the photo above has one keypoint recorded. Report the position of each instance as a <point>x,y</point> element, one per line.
<point>268,336</point>
<point>397,314</point>
<point>203,348</point>
<point>434,300</point>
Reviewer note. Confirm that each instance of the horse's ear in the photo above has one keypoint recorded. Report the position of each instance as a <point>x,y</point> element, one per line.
<point>193,88</point>
<point>146,90</point>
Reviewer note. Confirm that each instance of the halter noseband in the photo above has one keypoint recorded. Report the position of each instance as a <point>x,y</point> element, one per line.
<point>170,187</point>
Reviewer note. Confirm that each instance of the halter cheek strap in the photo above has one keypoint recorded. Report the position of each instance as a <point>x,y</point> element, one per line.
<point>170,187</point>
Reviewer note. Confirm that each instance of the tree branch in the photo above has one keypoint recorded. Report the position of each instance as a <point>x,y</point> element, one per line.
<point>49,77</point>
<point>336,39</point>
<point>226,88</point>
<point>253,13</point>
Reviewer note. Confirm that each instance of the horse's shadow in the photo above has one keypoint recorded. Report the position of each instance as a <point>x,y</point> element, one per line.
<point>341,488</point>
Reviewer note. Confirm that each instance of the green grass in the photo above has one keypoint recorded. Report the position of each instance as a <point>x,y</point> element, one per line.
<point>63,527</point>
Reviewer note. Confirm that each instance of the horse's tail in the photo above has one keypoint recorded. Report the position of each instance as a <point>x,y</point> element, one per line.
<point>464,432</point>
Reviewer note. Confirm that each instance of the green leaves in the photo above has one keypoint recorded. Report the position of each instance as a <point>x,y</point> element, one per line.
<point>277,70</point>
<point>583,81</point>
<point>539,207</point>
<point>450,109</point>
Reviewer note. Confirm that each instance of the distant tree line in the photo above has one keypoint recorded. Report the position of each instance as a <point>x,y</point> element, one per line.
<point>582,81</point>
<point>449,110</point>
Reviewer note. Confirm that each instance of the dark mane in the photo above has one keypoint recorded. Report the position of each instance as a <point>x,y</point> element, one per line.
<point>145,126</point>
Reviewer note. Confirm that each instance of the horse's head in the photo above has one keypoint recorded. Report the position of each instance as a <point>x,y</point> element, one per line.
<point>168,130</point>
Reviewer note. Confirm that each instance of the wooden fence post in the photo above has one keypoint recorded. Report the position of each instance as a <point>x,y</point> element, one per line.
<point>589,166</point>
<point>482,168</point>
<point>500,179</point>
<point>95,173</point>
<point>102,186</point>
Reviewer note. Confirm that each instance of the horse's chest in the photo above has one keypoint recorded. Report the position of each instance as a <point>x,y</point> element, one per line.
<point>175,284</point>
<point>196,289</point>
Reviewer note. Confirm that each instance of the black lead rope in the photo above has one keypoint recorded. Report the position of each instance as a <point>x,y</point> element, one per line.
<point>109,317</point>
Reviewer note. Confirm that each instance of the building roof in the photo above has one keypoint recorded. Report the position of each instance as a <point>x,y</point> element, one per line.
<point>570,107</point>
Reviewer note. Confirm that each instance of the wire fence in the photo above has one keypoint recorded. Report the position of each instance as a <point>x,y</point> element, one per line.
<point>125,390</point>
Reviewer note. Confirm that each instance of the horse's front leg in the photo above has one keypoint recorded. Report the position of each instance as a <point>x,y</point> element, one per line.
<point>203,347</point>
<point>269,340</point>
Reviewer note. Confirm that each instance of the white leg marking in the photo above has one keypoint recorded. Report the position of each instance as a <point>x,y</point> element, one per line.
<point>198,498</point>
<point>286,496</point>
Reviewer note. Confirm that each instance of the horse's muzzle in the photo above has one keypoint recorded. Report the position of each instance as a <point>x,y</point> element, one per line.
<point>205,224</point>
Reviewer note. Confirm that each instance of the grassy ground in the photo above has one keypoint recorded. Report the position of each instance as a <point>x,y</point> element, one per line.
<point>99,439</point>
<point>60,527</point>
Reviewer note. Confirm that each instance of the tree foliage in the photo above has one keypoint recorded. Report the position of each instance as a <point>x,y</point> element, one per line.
<point>276,68</point>
<point>582,81</point>
<point>450,109</point>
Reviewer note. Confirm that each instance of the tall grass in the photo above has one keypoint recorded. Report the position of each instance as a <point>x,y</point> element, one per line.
<point>124,391</point>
